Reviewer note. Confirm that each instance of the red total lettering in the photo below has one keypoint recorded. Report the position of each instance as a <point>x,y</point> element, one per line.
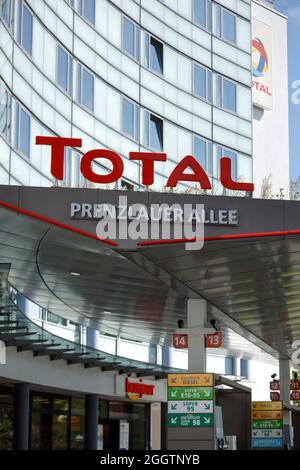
<point>114,158</point>
<point>148,159</point>
<point>228,182</point>
<point>198,174</point>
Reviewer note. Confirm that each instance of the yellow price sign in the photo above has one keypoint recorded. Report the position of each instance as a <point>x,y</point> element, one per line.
<point>267,405</point>
<point>263,414</point>
<point>190,380</point>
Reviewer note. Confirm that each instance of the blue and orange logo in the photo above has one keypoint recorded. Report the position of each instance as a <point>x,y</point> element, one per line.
<point>260,61</point>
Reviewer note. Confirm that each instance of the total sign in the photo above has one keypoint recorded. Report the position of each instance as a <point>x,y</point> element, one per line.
<point>262,65</point>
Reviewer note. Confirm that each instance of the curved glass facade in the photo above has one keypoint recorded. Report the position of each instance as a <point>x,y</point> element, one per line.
<point>129,76</point>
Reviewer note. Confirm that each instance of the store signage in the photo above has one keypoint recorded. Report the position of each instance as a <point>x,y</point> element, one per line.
<point>262,64</point>
<point>190,400</point>
<point>267,424</point>
<point>295,395</point>
<point>275,385</point>
<point>195,173</point>
<point>180,341</point>
<point>140,389</point>
<point>190,380</point>
<point>163,213</point>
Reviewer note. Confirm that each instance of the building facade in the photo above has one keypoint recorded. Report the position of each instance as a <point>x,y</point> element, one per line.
<point>271,168</point>
<point>166,76</point>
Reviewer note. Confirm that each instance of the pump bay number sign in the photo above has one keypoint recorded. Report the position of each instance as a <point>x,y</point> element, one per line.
<point>190,400</point>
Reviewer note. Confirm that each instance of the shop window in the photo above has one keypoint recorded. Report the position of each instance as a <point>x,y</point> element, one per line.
<point>86,8</point>
<point>25,28</point>
<point>77,423</point>
<point>130,38</point>
<point>226,25</point>
<point>64,72</point>
<point>153,132</point>
<point>6,11</point>
<point>202,13</point>
<point>226,94</point>
<point>154,54</point>
<point>6,419</point>
<point>202,82</point>
<point>130,118</point>
<point>223,152</point>
<point>85,88</point>
<point>203,153</point>
<point>5,113</point>
<point>22,134</point>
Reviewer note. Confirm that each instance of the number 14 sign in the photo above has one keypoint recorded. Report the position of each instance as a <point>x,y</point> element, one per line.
<point>211,341</point>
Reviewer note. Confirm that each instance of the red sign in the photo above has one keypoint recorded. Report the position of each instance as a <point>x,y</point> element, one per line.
<point>274,396</point>
<point>180,341</point>
<point>275,385</point>
<point>135,390</point>
<point>295,395</point>
<point>295,385</point>
<point>214,340</point>
<point>148,161</point>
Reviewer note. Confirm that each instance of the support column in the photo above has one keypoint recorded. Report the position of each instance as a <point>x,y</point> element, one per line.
<point>92,338</point>
<point>285,377</point>
<point>152,353</point>
<point>197,317</point>
<point>166,356</point>
<point>21,417</point>
<point>91,422</point>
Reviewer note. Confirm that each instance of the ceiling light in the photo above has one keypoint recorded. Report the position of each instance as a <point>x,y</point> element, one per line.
<point>75,274</point>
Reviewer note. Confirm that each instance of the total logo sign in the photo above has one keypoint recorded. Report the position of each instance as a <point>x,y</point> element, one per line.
<point>140,389</point>
<point>262,65</point>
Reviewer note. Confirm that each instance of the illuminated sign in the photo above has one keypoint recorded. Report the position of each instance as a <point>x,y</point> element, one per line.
<point>136,390</point>
<point>262,65</point>
<point>140,389</point>
<point>195,174</point>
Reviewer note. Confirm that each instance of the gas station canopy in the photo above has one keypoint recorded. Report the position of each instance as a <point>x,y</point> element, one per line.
<point>249,272</point>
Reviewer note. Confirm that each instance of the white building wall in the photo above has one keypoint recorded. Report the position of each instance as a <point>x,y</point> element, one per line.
<point>271,127</point>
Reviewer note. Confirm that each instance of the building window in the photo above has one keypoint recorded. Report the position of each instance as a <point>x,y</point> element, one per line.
<point>25,28</point>
<point>226,94</point>
<point>153,132</point>
<point>202,82</point>
<point>225,25</point>
<point>223,152</point>
<point>64,73</point>
<point>5,113</point>
<point>86,8</point>
<point>203,153</point>
<point>154,54</point>
<point>6,11</point>
<point>126,186</point>
<point>73,176</point>
<point>130,118</point>
<point>22,135</point>
<point>202,13</point>
<point>71,3</point>
<point>85,88</point>
<point>131,38</point>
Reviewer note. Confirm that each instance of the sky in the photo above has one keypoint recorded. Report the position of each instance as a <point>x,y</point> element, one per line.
<point>291,8</point>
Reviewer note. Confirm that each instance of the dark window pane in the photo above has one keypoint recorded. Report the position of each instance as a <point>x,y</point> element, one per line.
<point>62,68</point>
<point>229,26</point>
<point>229,95</point>
<point>5,11</point>
<point>200,12</point>
<point>200,151</point>
<point>89,10</point>
<point>27,30</point>
<point>128,37</point>
<point>156,55</point>
<point>200,81</point>
<point>156,133</point>
<point>128,118</point>
<point>88,90</point>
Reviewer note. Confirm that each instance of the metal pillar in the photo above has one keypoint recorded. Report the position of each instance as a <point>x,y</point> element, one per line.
<point>91,422</point>
<point>21,417</point>
<point>285,377</point>
<point>92,338</point>
<point>197,318</point>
